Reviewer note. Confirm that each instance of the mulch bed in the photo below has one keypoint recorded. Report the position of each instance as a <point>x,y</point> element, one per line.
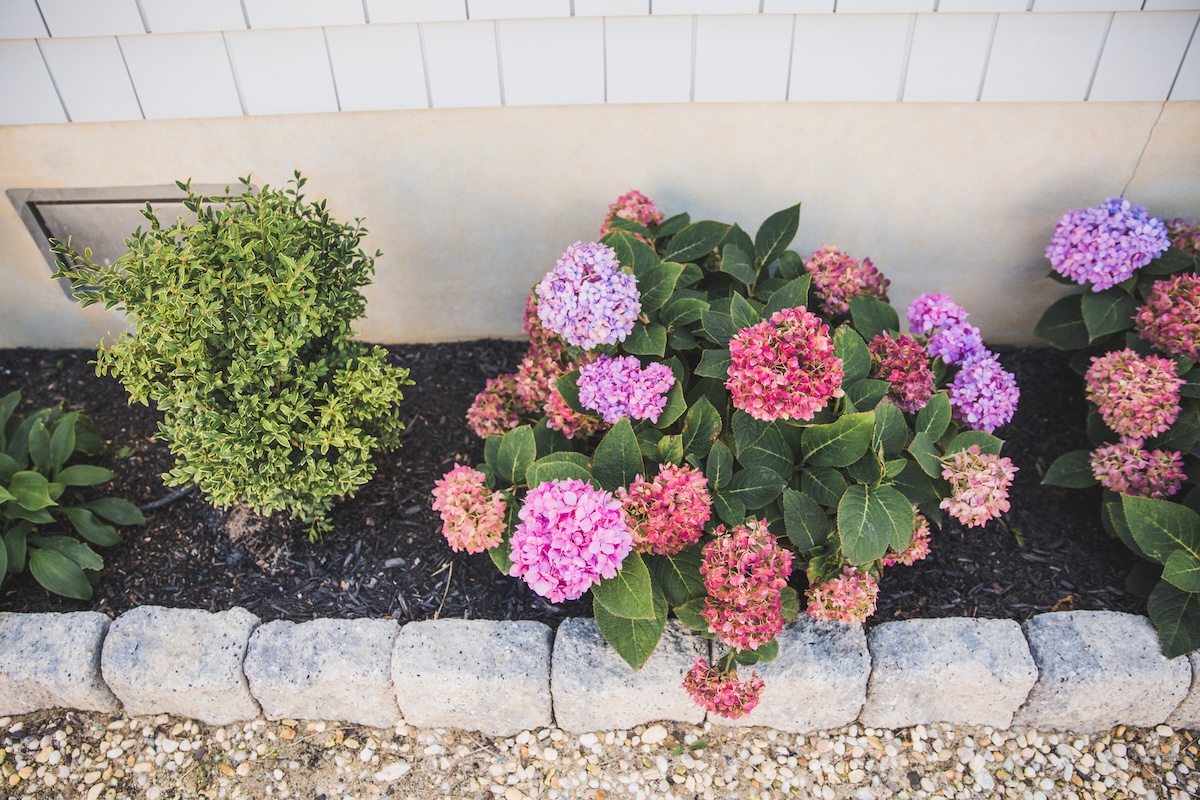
<point>386,556</point>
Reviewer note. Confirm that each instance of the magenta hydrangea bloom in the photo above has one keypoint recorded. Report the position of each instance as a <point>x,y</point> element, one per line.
<point>1138,396</point>
<point>721,692</point>
<point>784,368</point>
<point>1105,244</point>
<point>1185,235</point>
<point>472,516</point>
<point>620,387</point>
<point>1126,468</point>
<point>634,207</point>
<point>979,485</point>
<point>744,572</point>
<point>587,298</point>
<point>983,394</point>
<point>1170,320</point>
<point>849,598</point>
<point>497,409</point>
<point>838,277</point>
<point>918,548</point>
<point>667,514</point>
<point>904,364</point>
<point>571,535</point>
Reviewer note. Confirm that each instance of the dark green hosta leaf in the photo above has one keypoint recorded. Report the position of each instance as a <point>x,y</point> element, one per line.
<point>701,425</point>
<point>718,327</point>
<point>517,450</point>
<point>558,467</point>
<point>628,594</point>
<point>84,556</point>
<point>8,468</point>
<point>742,313</point>
<point>807,524</point>
<point>92,529</point>
<point>633,639</point>
<point>1176,614</point>
<point>762,444</point>
<point>891,431</point>
<point>1071,470</point>
<point>84,475</point>
<point>714,364</point>
<point>872,317</point>
<point>683,311</point>
<point>618,458</point>
<point>59,574</point>
<point>925,452</point>
<point>869,519</point>
<point>736,263</point>
<point>792,294</point>
<point>1182,570</point>
<point>678,575</point>
<point>8,404</point>
<point>646,340</point>
<point>1161,527</point>
<point>934,418</point>
<point>824,484</point>
<point>840,443</point>
<point>696,240</point>
<point>865,395</point>
<point>1107,312</point>
<point>755,487</point>
<point>656,282</point>
<point>852,350</point>
<point>15,546</point>
<point>775,234</point>
<point>1062,325</point>
<point>988,444</point>
<point>30,490</point>
<point>39,447</point>
<point>62,442</point>
<point>1142,578</point>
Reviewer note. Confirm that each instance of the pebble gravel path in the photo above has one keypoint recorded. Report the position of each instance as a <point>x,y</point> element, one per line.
<point>67,754</point>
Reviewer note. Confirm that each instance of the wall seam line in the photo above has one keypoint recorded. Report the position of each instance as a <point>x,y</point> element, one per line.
<point>237,83</point>
<point>987,57</point>
<point>337,98</point>
<point>133,86</point>
<point>58,92</point>
<point>1099,56</point>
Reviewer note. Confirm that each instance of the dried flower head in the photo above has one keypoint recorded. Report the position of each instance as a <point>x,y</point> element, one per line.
<point>1105,244</point>
<point>979,485</point>
<point>566,420</point>
<point>634,207</point>
<point>587,298</point>
<point>904,364</point>
<point>784,368</point>
<point>1126,468</point>
<point>497,409</point>
<point>918,548</point>
<point>620,387</point>
<point>1170,320</point>
<point>721,692</point>
<point>1138,396</point>
<point>667,514</point>
<point>472,516</point>
<point>744,572</point>
<point>838,277</point>
<point>983,394</point>
<point>849,598</point>
<point>1185,235</point>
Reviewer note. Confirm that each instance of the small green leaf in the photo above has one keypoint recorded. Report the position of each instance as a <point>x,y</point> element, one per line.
<point>1161,527</point>
<point>988,445</point>
<point>568,388</point>
<point>869,519</point>
<point>1062,326</point>
<point>1183,571</point>
<point>1107,312</point>
<point>840,443</point>
<point>678,575</point>
<point>633,639</point>
<point>891,431</point>
<point>924,451</point>
<point>934,418</point>
<point>59,574</point>
<point>501,554</point>
<point>39,447</point>
<point>674,407</point>
<point>1071,470</point>
<point>762,444</point>
<point>516,452</point>
<point>1176,614</point>
<point>84,475</point>
<point>628,594</point>
<point>670,450</point>
<point>736,263</point>
<point>62,442</point>
<point>755,487</point>
<point>808,526</point>
<point>683,311</point>
<point>696,240</point>
<point>618,459</point>
<point>646,340</point>
<point>718,327</point>
<point>823,484</point>
<point>865,395</point>
<point>84,556</point>
<point>656,282</point>
<point>852,350</point>
<point>90,528</point>
<point>742,313</point>
<point>689,614</point>
<point>714,364</point>
<point>730,509</point>
<point>872,317</point>
<point>793,294</point>
<point>30,490</point>
<point>701,425</point>
<point>558,467</point>
<point>719,468</point>
<point>775,234</point>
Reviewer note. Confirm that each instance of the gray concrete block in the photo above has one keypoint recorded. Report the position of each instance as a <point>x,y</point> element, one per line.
<point>962,671</point>
<point>818,682</point>
<point>331,669</point>
<point>1098,669</point>
<point>1187,715</point>
<point>492,677</point>
<point>181,661</point>
<point>595,689</point>
<point>52,661</point>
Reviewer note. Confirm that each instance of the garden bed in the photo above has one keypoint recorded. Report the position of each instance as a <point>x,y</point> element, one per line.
<point>385,556</point>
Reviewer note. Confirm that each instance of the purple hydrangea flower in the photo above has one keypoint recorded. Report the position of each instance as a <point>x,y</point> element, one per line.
<point>983,394</point>
<point>1105,244</point>
<point>957,343</point>
<point>619,387</point>
<point>570,536</point>
<point>587,298</point>
<point>934,312</point>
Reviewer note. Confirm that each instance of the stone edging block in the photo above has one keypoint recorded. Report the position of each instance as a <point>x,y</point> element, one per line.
<point>181,661</point>
<point>52,661</point>
<point>330,669</point>
<point>958,670</point>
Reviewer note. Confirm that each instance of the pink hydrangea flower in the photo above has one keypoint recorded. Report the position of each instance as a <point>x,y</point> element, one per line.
<point>634,207</point>
<point>1105,244</point>
<point>849,598</point>
<point>1126,468</point>
<point>1185,235</point>
<point>532,324</point>
<point>979,485</point>
<point>543,364</point>
<point>904,364</point>
<point>587,298</point>
<point>566,420</point>
<point>721,692</point>
<point>1138,396</point>
<point>497,409</point>
<point>784,368</point>
<point>744,572</point>
<point>667,514</point>
<point>1170,320</point>
<point>838,277</point>
<point>472,516</point>
<point>917,550</point>
<point>571,535</point>
<point>620,387</point>
<point>983,394</point>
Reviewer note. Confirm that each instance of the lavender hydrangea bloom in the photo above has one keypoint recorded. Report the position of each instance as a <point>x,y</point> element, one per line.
<point>983,394</point>
<point>956,344</point>
<point>587,298</point>
<point>1105,244</point>
<point>934,312</point>
<point>620,387</point>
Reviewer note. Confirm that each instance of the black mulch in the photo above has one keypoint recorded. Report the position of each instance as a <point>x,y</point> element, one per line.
<point>386,556</point>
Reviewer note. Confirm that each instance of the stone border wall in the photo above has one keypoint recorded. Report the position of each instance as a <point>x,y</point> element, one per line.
<point>1082,671</point>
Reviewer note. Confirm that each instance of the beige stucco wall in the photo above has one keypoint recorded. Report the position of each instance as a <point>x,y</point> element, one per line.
<point>471,207</point>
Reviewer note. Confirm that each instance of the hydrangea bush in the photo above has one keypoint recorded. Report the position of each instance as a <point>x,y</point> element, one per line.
<point>707,424</point>
<point>1134,334</point>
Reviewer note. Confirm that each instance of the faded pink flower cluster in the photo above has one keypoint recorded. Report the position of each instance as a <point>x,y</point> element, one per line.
<point>904,364</point>
<point>978,485</point>
<point>1170,320</point>
<point>1126,468</point>
<point>588,299</point>
<point>1185,235</point>
<point>497,408</point>
<point>668,513</point>
<point>620,387</point>
<point>838,277</point>
<point>570,536</point>
<point>917,550</point>
<point>784,368</point>
<point>1138,396</point>
<point>472,516</point>
<point>634,207</point>
<point>744,572</point>
<point>721,692</point>
<point>849,598</point>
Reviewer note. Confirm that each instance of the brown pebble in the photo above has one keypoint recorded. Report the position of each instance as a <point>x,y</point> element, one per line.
<point>287,733</point>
